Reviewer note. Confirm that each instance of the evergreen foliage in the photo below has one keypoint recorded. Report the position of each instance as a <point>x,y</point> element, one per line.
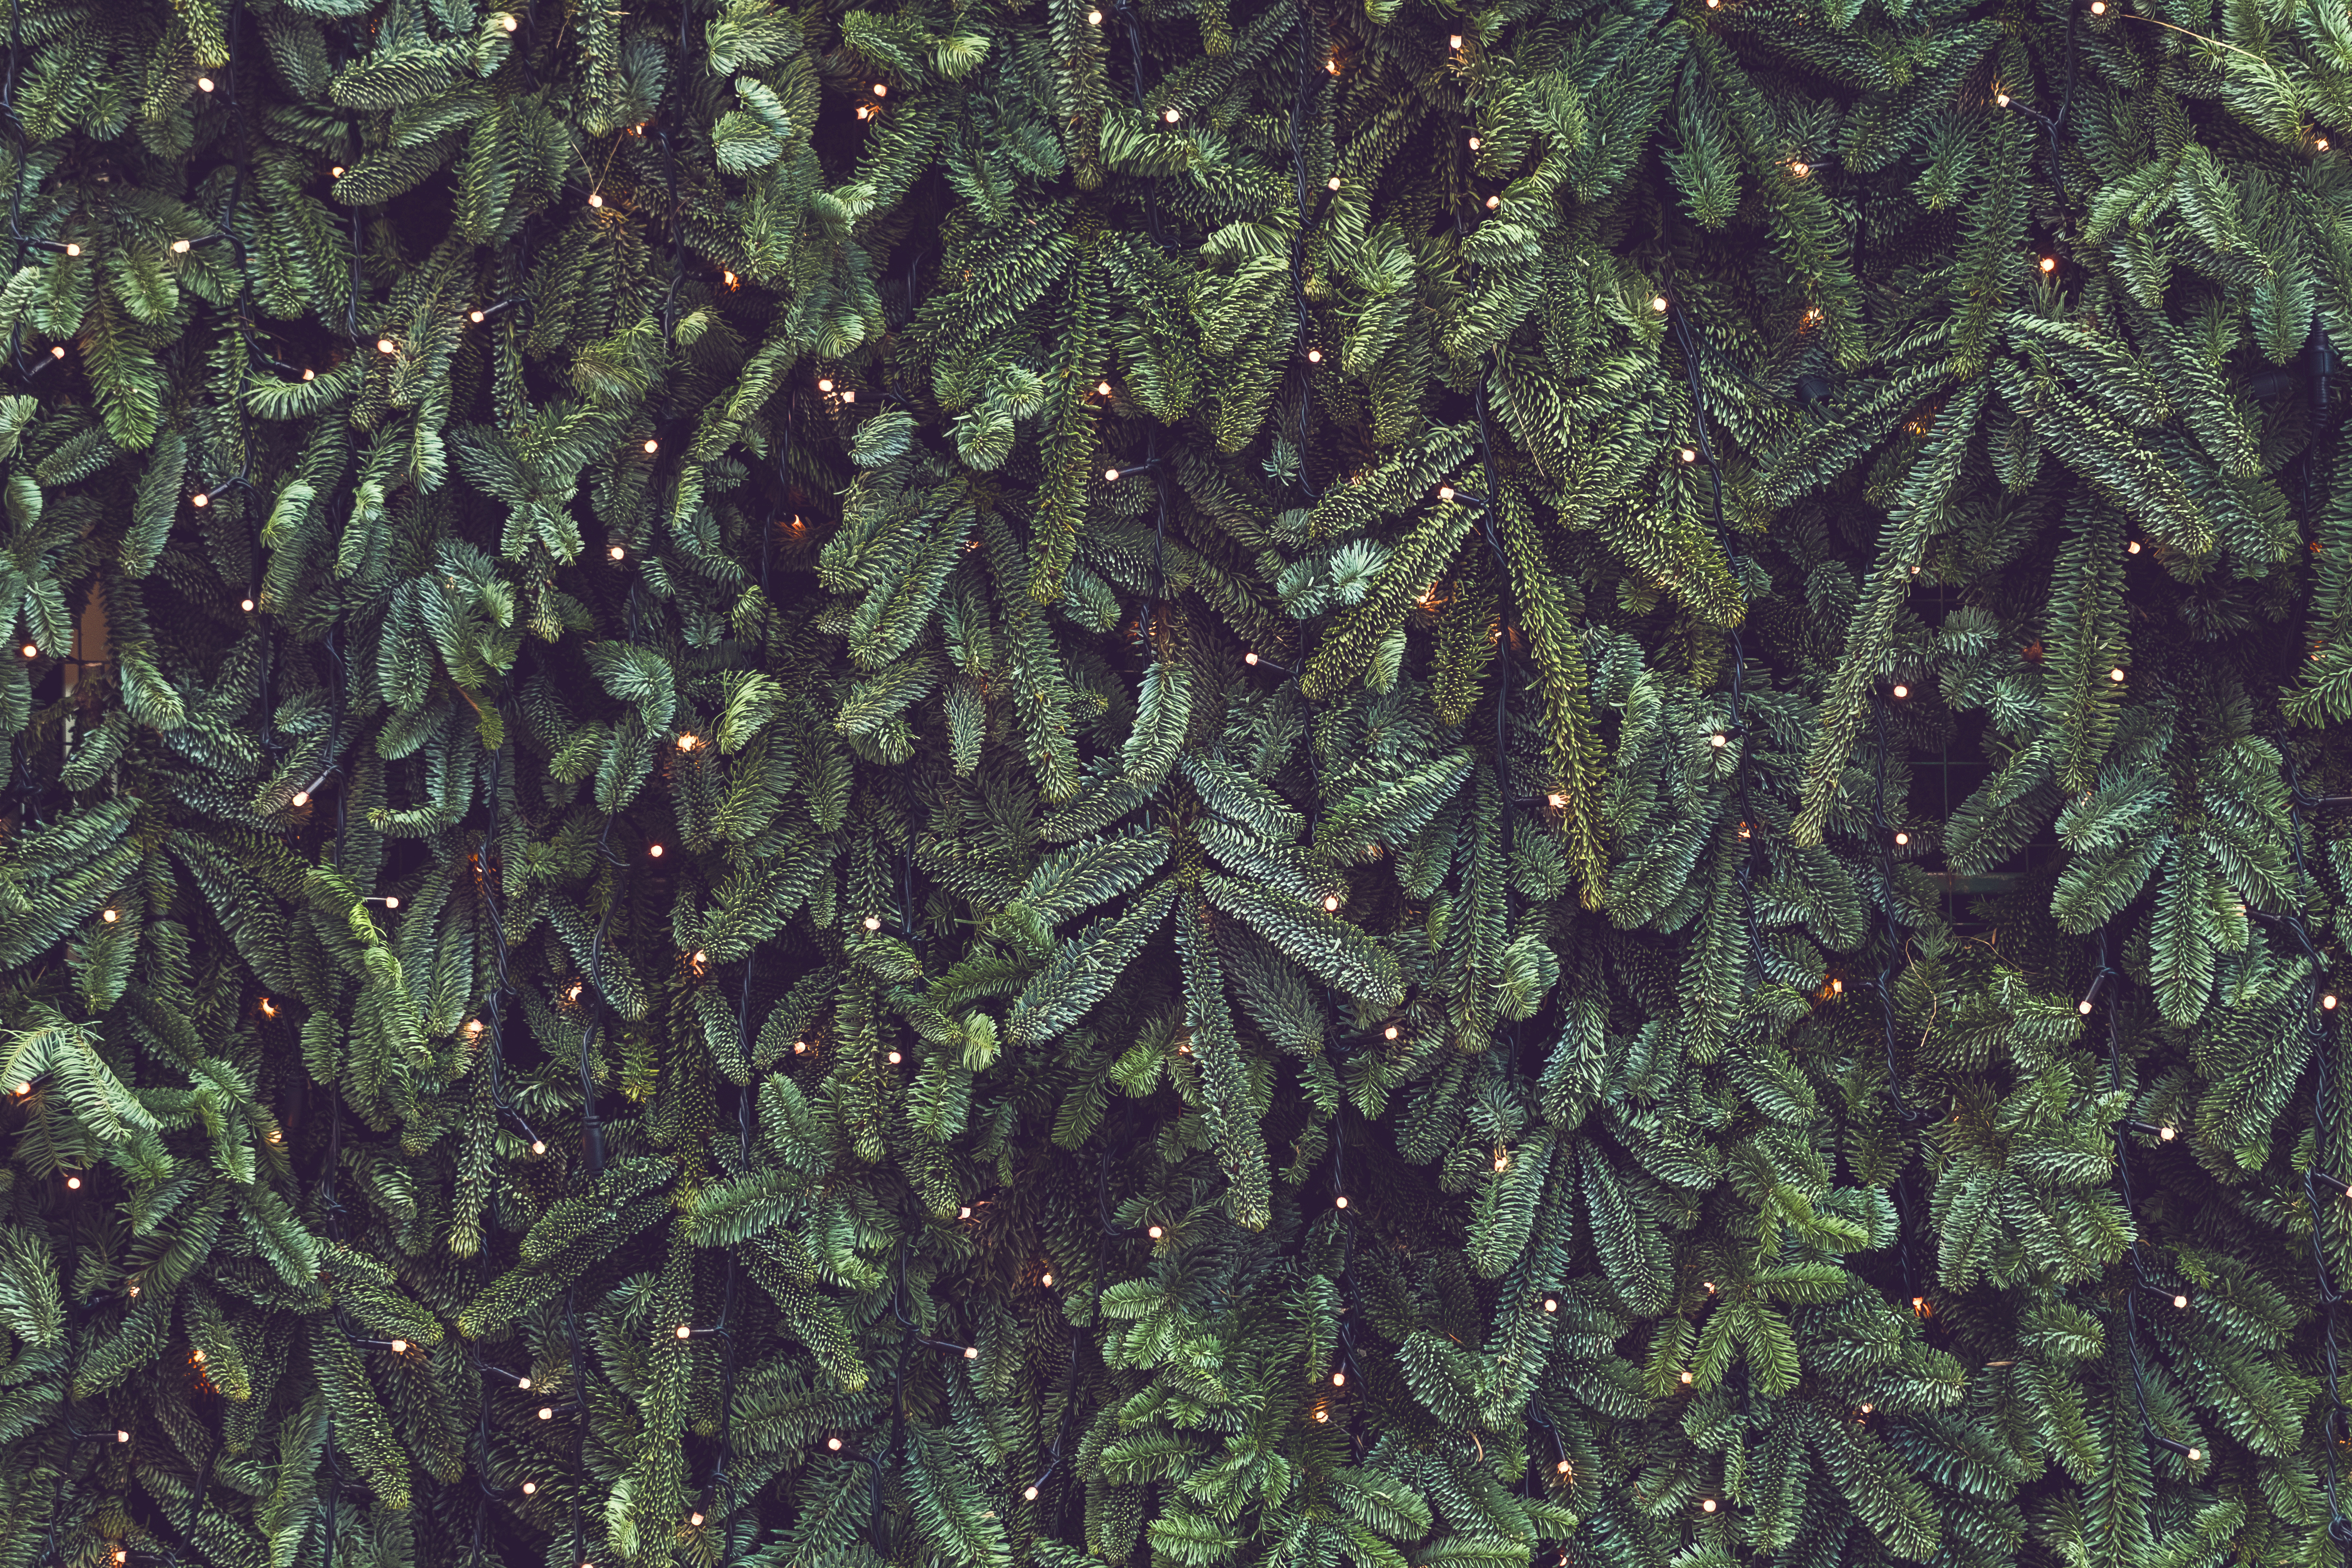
<point>1173,782</point>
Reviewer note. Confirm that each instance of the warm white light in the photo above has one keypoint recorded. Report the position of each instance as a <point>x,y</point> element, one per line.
<point>2321,143</point>
<point>1155,1233</point>
<point>1249,659</point>
<point>547,1413</point>
<point>1562,1466</point>
<point>392,903</point>
<point>2167,1134</point>
<point>1454,42</point>
<point>385,345</point>
<point>1323,1416</point>
<point>2116,674</point>
<point>729,278</point>
<point>833,1444</point>
<point>2098,7</point>
<point>247,605</point>
<point>1314,356</point>
<point>1801,168</point>
<point>1391,1033</point>
<point>1865,1407</point>
<point>881,89</point>
<point>121,1436</point>
<point>508,23</point>
<point>1901,839</point>
<point>800,1047</point>
<point>537,1147</point>
<point>301,799</point>
<point>2002,99</point>
<point>618,553</point>
<point>1707,1506</point>
<point>1494,201</point>
<point>1445,492</point>
<point>972,1352</point>
<point>1045,1279</point>
<point>1473,143</point>
<point>700,957</point>
<point>2083,1008</point>
<point>23,1088</point>
<point>1658,303</point>
<point>1110,476</point>
<point>1171,115</point>
<point>1718,741</point>
<point>310,376</point>
<point>475,317</point>
<point>595,199</point>
<point>1686,1377</point>
<point>824,383</point>
<point>2194,1455</point>
<point>523,1384</point>
<point>894,1058</point>
<point>1102,389</point>
<point>1902,690</point>
<point>204,84</point>
<point>872,923</point>
<point>1331,903</point>
<point>652,447</point>
<point>1339,1380</point>
<point>684,1333</point>
<point>1340,1202</point>
<point>1335,182</point>
<point>200,500</point>
<point>687,743</point>
<point>2049,264</point>
<point>179,248</point>
<point>2181,1300</point>
<point>335,171</point>
<point>1094,19</point>
<point>1689,454</point>
<point>655,850</point>
<point>110,915</point>
<point>1030,1493</point>
<point>530,1488</point>
<point>695,1518</point>
<point>1551,1303</point>
<point>56,350</point>
<point>2328,1002</point>
<point>964,1212</point>
<point>400,1347</point>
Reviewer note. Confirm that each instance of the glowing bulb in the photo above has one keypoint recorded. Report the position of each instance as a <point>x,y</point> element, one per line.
<point>2083,1008</point>
<point>1250,658</point>
<point>121,1436</point>
<point>972,1352</point>
<point>2322,145</point>
<point>1902,691</point>
<point>400,1347</point>
<point>1445,492</point>
<point>247,605</point>
<point>23,1089</point>
<point>595,199</point>
<point>1340,1202</point>
<point>1707,1506</point>
<point>1708,1286</point>
<point>881,89</point>
<point>1102,389</point>
<point>200,500</point>
<point>1473,143</point>
<point>1502,1161</point>
<point>1551,1303</point>
<point>695,1518</point>
<point>1837,987</point>
<point>1335,182</point>
<point>1718,740</point>
<point>385,345</point>
<point>1155,1233</point>
<point>73,1184</point>
<point>392,903</point>
<point>537,1147</point>
<point>1171,115</point>
<point>73,250</point>
<point>179,248</point>
<point>310,376</point>
<point>109,915</point>
<point>824,383</point>
<point>1689,456</point>
<point>1094,19</point>
<point>1686,1377</point>
<point>618,553</point>
<point>700,958</point>
<point>964,1212</point>
<point>1901,839</point>
<point>1045,1279</point>
<point>1562,1466</point>
<point>56,350</point>
<point>2193,1453</point>
<point>655,850</point>
<point>1801,168</point>
<point>894,1058</point>
<point>1494,201</point>
<point>833,1444</point>
<point>2328,1002</point>
<point>1454,41</point>
<point>2181,1300</point>
<point>684,1333</point>
<point>547,1413</point>
<point>2133,548</point>
<point>1658,303</point>
<point>687,741</point>
<point>652,447</point>
<point>2098,7</point>
<point>508,23</point>
<point>269,1008</point>
<point>335,171</point>
<point>475,317</point>
<point>1865,1407</point>
<point>530,1488</point>
<point>1332,65</point>
<point>2167,1134</point>
<point>2116,674</point>
<point>872,923</point>
<point>1314,356</point>
<point>572,995</point>
<point>204,84</point>
<point>800,1047</point>
<point>301,799</point>
<point>728,278</point>
<point>2049,264</point>
<point>2002,99</point>
<point>1322,1415</point>
<point>1110,476</point>
<point>1330,903</point>
<point>1390,1033</point>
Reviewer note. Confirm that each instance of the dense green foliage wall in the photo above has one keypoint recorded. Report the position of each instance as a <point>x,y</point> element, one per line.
<point>1174,782</point>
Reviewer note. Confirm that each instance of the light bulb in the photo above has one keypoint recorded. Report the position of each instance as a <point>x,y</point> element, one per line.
<point>335,171</point>
<point>73,1184</point>
<point>475,316</point>
<point>1551,1303</point>
<point>200,500</point>
<point>2193,1453</point>
<point>56,350</point>
<point>1102,389</point>
<point>247,605</point>
<point>301,799</point>
<point>385,345</point>
<point>23,1089</point>
<point>1473,143</point>
<point>1094,19</point>
<point>179,248</point>
<point>1718,740</point>
<point>700,957</point>
<point>1323,1416</point>
<point>1454,41</point>
<point>1340,1202</point>
<point>800,1047</point>
<point>1502,1161</point>
<point>1250,658</point>
<point>2322,145</point>
<point>833,1444</point>
<point>1314,356</point>
<point>1658,303</point>
<point>1155,1233</point>
<point>1901,839</point>
<point>310,374</point>
<point>1708,1286</point>
<point>1330,903</point>
<point>110,914</point>
<point>1046,1279</point>
<point>1801,168</point>
<point>2328,1002</point>
<point>134,1292</point>
<point>595,199</point>
<point>2049,264</point>
<point>687,741</point>
<point>894,1058</point>
<point>1445,492</point>
<point>2083,1008</point>
<point>1494,201</point>
<point>1110,476</point>
<point>2098,7</point>
<point>1171,115</point>
<point>530,1488</point>
<point>1335,182</point>
<point>31,650</point>
<point>400,1347</point>
<point>728,278</point>
<point>1901,690</point>
<point>2117,673</point>
<point>1689,456</point>
<point>538,1147</point>
<point>684,1333</point>
<point>1865,1407</point>
<point>547,1413</point>
<point>508,23</point>
<point>1686,1377</point>
<point>121,1436</point>
<point>652,447</point>
<point>1707,1506</point>
<point>824,383</point>
<point>1339,1380</point>
<point>391,904</point>
<point>881,89</point>
<point>2133,548</point>
<point>2167,1134</point>
<point>2181,1300</point>
<point>1562,1466</point>
<point>872,923</point>
<point>655,850</point>
<point>964,1212</point>
<point>972,1352</point>
<point>2002,99</point>
<point>1030,1493</point>
<point>1332,65</point>
<point>523,1384</point>
<point>1837,987</point>
<point>695,1518</point>
<point>618,553</point>
<point>269,1008</point>
<point>204,84</point>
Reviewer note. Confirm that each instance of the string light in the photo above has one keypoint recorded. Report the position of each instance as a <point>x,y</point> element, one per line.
<point>689,741</point>
<point>301,799</point>
<point>72,249</point>
<point>1454,42</point>
<point>833,1444</point>
<point>204,84</point>
<point>200,500</point>
<point>109,914</point>
<point>547,1413</point>
<point>2002,99</point>
<point>538,1147</point>
<point>1322,1415</point>
<point>695,1518</point>
<point>964,1212</point>
<point>872,922</point>
<point>2133,548</point>
<point>1391,1033</point>
<point>1171,115</point>
<point>508,23</point>
<point>1029,1493</point>
<point>652,447</point>
<point>530,1488</point>
<point>2167,1134</point>
<point>972,1352</point>
<point>247,605</point>
<point>2180,1301</point>
<point>73,1184</point>
<point>23,1089</point>
<point>1340,1202</point>
<point>655,850</point>
<point>894,1058</point>
<point>475,317</point>
<point>385,345</point>
<point>2328,1002</point>
<point>1155,1233</point>
<point>179,248</point>
<point>881,89</point>
<point>1718,740</point>
<point>1473,143</point>
<point>1330,903</point>
<point>800,1047</point>
<point>1494,201</point>
<point>31,650</point>
<point>2321,143</point>
<point>1556,800</point>
<point>1314,356</point>
<point>1801,168</point>
<point>1901,839</point>
<point>684,1333</point>
<point>1708,1506</point>
<point>1334,179</point>
<point>618,553</point>
<point>2049,264</point>
<point>1102,389</point>
<point>1865,1407</point>
<point>728,278</point>
<point>1658,303</point>
<point>56,350</point>
<point>335,171</point>
<point>1110,476</point>
<point>2098,7</point>
<point>595,199</point>
<point>2116,674</point>
<point>1445,492</point>
<point>1046,1279</point>
<point>400,1347</point>
<point>1094,19</point>
<point>1686,1377</point>
<point>1250,658</point>
<point>1902,691</point>
<point>824,383</point>
<point>1689,454</point>
<point>1551,1303</point>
